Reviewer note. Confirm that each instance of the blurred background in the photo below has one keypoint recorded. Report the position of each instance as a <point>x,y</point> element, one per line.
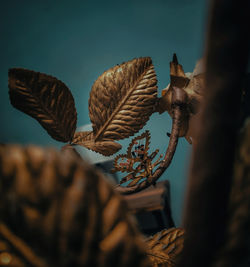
<point>76,41</point>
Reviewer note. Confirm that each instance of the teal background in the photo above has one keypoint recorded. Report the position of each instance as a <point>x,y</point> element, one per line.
<point>76,41</point>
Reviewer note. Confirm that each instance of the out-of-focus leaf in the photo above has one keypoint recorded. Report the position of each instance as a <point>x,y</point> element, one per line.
<point>164,247</point>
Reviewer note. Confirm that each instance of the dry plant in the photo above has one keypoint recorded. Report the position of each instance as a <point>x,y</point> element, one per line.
<point>121,101</point>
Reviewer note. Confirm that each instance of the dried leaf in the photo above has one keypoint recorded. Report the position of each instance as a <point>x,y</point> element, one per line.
<point>86,139</point>
<point>192,84</point>
<point>177,79</point>
<point>106,148</point>
<point>165,246</point>
<point>46,99</point>
<point>122,99</point>
<point>177,75</point>
<point>81,137</point>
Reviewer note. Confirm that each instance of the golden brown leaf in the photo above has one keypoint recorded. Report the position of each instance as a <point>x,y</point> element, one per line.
<point>165,246</point>
<point>122,99</point>
<point>192,84</point>
<point>86,139</point>
<point>80,137</point>
<point>106,148</point>
<point>46,99</point>
<point>177,75</point>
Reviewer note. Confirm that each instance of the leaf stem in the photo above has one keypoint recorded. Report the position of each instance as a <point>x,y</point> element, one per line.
<point>178,104</point>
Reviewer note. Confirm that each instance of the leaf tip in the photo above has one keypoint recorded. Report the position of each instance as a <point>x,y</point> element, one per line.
<point>175,60</point>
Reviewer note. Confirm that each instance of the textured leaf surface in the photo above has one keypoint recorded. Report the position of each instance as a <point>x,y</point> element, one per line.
<point>86,139</point>
<point>165,246</point>
<point>106,148</point>
<point>46,99</point>
<point>81,137</point>
<point>122,99</point>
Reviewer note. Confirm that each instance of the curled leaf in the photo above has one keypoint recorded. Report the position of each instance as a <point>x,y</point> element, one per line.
<point>46,99</point>
<point>192,84</point>
<point>177,76</point>
<point>122,99</point>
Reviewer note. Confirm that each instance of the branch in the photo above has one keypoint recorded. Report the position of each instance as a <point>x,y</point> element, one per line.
<point>179,100</point>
